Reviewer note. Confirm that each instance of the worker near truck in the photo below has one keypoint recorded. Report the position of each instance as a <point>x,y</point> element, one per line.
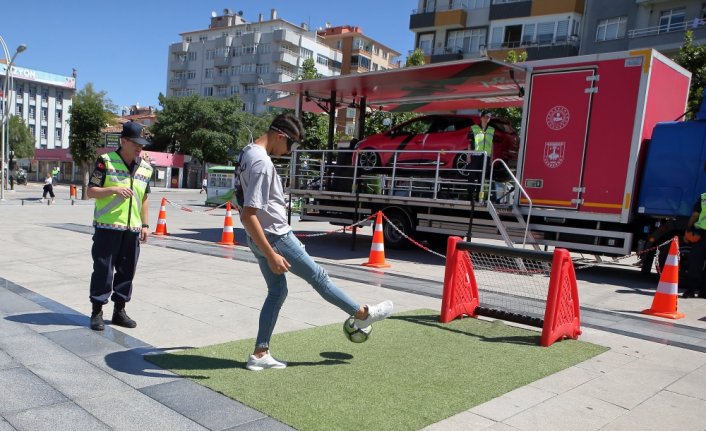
<point>696,235</point>
<point>482,136</point>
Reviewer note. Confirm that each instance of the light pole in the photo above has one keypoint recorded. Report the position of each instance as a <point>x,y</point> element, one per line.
<point>5,136</point>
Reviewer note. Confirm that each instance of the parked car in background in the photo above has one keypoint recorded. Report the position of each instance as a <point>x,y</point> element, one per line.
<point>444,136</point>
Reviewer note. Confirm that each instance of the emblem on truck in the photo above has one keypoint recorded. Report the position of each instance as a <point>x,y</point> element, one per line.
<point>558,117</point>
<point>554,154</point>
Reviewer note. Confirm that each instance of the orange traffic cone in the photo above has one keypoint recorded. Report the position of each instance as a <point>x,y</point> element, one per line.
<point>162,219</point>
<point>665,301</point>
<point>228,238</point>
<point>377,249</point>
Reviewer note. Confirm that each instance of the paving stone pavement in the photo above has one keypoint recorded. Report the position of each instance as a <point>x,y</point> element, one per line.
<point>55,373</point>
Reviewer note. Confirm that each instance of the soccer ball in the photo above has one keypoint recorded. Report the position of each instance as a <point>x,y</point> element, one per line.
<point>355,334</point>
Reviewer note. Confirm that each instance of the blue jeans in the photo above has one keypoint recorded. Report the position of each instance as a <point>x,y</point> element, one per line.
<point>289,247</point>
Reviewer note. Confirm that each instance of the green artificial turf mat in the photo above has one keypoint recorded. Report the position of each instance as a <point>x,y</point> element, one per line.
<point>412,372</point>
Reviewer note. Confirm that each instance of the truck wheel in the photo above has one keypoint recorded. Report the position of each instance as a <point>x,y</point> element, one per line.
<point>462,164</point>
<point>368,160</point>
<point>402,221</point>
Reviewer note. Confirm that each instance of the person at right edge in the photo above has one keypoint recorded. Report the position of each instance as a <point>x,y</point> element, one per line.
<point>278,251</point>
<point>120,185</point>
<point>696,235</point>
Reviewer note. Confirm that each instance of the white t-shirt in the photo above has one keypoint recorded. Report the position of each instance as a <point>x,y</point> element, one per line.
<point>48,180</point>
<point>204,183</point>
<point>262,189</point>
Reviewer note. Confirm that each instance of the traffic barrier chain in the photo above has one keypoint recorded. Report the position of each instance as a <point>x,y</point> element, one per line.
<point>191,210</point>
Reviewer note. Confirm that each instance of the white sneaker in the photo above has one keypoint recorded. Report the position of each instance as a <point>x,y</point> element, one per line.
<point>376,313</point>
<point>267,361</point>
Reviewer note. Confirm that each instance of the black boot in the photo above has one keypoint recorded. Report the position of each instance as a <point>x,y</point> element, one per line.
<point>97,318</point>
<point>121,318</point>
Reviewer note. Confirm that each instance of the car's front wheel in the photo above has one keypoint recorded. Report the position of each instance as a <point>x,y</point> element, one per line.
<point>462,164</point>
<point>368,160</point>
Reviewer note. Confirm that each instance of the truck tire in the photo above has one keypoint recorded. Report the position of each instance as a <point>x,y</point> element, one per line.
<point>462,164</point>
<point>403,222</point>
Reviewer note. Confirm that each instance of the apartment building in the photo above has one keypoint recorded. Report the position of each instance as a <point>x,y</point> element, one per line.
<point>42,100</point>
<point>236,57</point>
<point>611,25</point>
<point>360,54</point>
<point>454,29</point>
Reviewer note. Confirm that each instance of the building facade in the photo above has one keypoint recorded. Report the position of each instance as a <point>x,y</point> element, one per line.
<point>659,24</point>
<point>236,57</point>
<point>360,54</point>
<point>457,29</point>
<point>42,100</point>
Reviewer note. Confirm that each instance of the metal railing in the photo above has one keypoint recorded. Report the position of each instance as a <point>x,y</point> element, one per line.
<point>519,187</point>
<point>667,28</point>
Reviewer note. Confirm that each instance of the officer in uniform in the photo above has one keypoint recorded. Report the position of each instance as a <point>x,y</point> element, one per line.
<point>480,139</point>
<point>120,185</point>
<point>696,235</point>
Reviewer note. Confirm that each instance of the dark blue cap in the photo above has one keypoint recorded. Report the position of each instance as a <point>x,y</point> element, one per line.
<point>133,132</point>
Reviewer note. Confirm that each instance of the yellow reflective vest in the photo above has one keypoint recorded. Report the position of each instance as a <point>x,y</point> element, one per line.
<point>114,211</point>
<point>701,222</point>
<point>483,140</point>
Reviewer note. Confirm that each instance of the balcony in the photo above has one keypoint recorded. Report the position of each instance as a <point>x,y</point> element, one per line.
<point>514,9</point>
<point>692,24</point>
<point>439,55</point>
<point>179,66</point>
<point>179,48</point>
<point>441,17</point>
<point>285,56</point>
<point>285,36</point>
<point>221,61</point>
<point>221,80</point>
<point>177,83</point>
<point>540,48</point>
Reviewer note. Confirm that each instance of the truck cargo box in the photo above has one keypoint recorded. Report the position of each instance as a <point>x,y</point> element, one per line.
<point>586,120</point>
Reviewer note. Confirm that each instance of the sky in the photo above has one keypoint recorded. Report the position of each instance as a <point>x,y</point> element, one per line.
<point>121,46</point>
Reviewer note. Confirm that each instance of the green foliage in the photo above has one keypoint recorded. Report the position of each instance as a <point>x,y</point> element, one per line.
<point>693,58</point>
<point>416,58</point>
<point>315,125</point>
<point>21,139</point>
<point>90,112</point>
<point>513,115</point>
<point>209,129</point>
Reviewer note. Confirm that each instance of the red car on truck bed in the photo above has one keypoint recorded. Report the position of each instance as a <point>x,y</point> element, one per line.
<point>418,142</point>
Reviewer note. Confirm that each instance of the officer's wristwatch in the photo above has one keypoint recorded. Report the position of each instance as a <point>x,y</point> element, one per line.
<point>145,225</point>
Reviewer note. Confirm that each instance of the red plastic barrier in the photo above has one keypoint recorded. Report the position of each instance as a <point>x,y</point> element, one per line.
<point>460,288</point>
<point>561,317</point>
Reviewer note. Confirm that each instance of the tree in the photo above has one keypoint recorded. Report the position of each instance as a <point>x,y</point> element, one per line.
<point>210,130</point>
<point>21,140</point>
<point>513,115</point>
<point>90,112</point>
<point>315,125</point>
<point>693,58</point>
<point>416,58</point>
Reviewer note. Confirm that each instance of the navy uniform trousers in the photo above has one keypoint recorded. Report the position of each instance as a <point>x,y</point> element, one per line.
<point>115,254</point>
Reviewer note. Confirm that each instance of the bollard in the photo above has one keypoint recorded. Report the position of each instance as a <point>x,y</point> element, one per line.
<point>23,202</point>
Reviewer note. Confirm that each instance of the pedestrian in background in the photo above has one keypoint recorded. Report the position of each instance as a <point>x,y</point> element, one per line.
<point>204,186</point>
<point>120,185</point>
<point>695,234</point>
<point>48,187</point>
<point>263,214</point>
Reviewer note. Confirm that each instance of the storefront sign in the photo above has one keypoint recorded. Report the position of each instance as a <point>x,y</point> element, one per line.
<point>112,141</point>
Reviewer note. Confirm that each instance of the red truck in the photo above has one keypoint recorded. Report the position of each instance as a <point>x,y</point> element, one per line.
<point>587,122</point>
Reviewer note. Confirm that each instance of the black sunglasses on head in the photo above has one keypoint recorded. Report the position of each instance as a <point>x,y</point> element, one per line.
<point>290,140</point>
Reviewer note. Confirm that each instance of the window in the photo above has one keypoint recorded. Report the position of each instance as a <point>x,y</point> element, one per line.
<point>45,94</point>
<point>32,113</point>
<point>45,114</point>
<point>426,42</point>
<point>496,37</point>
<point>59,95</point>
<point>562,31</point>
<point>611,28</point>
<point>32,130</point>
<point>234,89</point>
<point>43,132</point>
<point>208,73</point>
<point>187,39</point>
<point>262,69</point>
<point>360,61</point>
<point>222,91</point>
<point>191,74</point>
<point>32,91</point>
<point>210,54</point>
<point>57,134</point>
<point>58,116</point>
<point>208,91</point>
<point>528,34</point>
<point>264,48</point>
<point>306,53</point>
<point>203,38</point>
<point>19,110</point>
<point>545,32</point>
<point>191,56</point>
<point>671,20</point>
<point>465,41</point>
<point>477,4</point>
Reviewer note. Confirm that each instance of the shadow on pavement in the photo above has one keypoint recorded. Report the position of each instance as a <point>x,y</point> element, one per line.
<point>64,319</point>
